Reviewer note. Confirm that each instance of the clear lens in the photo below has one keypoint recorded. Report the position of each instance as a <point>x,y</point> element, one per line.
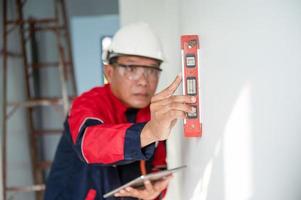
<point>134,72</point>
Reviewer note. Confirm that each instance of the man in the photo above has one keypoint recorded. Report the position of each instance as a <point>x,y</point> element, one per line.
<point>115,133</point>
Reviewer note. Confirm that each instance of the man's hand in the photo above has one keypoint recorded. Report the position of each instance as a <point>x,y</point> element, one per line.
<point>165,109</point>
<point>150,191</point>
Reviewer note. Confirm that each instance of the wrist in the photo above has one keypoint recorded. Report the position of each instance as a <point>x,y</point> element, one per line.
<point>146,136</point>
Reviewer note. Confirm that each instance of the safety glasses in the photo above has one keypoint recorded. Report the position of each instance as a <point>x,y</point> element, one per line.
<point>134,72</point>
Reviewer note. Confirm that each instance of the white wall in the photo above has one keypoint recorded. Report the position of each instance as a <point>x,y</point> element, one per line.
<point>250,95</point>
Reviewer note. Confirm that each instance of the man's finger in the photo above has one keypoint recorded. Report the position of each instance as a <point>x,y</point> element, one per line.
<point>132,191</point>
<point>175,98</point>
<point>169,90</point>
<point>160,185</point>
<point>148,186</point>
<point>120,193</point>
<point>129,191</point>
<point>176,107</point>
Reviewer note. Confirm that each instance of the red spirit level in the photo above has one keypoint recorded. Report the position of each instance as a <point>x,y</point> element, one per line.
<point>190,73</point>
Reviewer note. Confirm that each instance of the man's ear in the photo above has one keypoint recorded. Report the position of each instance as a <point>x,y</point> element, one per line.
<point>108,72</point>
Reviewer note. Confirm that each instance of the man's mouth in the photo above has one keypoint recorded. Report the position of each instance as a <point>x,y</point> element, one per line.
<point>141,94</point>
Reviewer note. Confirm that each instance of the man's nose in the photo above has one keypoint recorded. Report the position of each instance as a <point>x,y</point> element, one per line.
<point>143,79</point>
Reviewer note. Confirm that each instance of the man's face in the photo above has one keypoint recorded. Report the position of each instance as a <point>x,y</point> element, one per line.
<point>133,80</point>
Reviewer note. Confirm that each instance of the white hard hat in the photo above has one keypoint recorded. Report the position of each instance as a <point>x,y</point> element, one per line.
<point>135,39</point>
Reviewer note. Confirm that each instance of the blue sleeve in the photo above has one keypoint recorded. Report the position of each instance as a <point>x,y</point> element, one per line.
<point>132,145</point>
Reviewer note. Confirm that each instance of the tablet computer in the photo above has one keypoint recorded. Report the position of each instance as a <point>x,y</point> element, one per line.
<point>139,182</point>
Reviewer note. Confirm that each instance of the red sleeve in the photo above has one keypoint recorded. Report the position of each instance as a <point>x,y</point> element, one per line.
<point>159,161</point>
<point>97,139</point>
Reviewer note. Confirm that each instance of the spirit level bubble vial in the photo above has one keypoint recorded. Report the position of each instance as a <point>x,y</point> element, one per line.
<point>190,72</point>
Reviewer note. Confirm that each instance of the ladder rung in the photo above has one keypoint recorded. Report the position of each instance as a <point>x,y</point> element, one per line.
<point>38,102</point>
<point>11,54</point>
<point>48,132</point>
<point>47,28</point>
<point>48,64</point>
<point>30,188</point>
<point>44,164</point>
<point>37,21</point>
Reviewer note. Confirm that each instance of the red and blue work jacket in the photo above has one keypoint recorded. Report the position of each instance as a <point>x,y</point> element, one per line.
<point>100,148</point>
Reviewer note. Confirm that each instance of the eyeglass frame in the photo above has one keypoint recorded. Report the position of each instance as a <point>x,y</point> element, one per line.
<point>137,66</point>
